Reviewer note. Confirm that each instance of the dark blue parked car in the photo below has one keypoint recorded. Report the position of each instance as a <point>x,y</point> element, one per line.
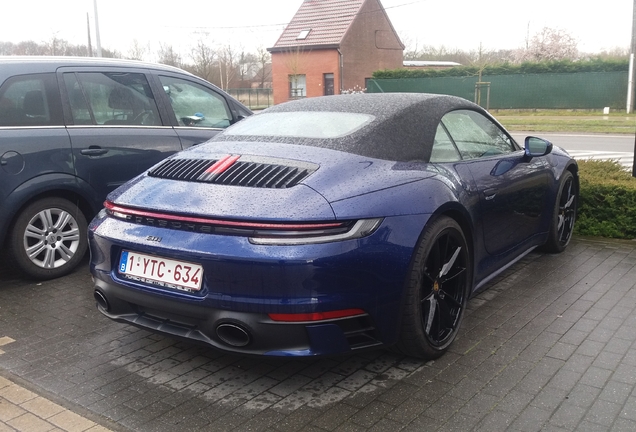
<point>332,224</point>
<point>74,129</point>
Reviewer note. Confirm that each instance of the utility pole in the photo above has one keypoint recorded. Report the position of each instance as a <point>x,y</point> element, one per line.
<point>97,40</point>
<point>631,79</point>
<point>632,50</point>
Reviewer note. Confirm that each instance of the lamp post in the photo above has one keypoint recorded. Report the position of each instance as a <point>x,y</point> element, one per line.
<point>97,40</point>
<point>631,79</point>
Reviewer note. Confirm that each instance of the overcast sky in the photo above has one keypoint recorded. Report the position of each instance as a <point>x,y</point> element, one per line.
<point>248,24</point>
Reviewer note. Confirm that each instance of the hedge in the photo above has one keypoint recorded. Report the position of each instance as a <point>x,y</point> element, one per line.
<point>561,66</point>
<point>607,200</point>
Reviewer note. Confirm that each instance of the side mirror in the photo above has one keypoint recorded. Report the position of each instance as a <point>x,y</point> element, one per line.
<point>238,119</point>
<point>537,147</point>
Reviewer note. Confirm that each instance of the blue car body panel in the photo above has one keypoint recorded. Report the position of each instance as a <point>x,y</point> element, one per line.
<point>266,279</point>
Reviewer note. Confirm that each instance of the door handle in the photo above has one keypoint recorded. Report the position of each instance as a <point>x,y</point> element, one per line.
<point>94,151</point>
<point>490,194</point>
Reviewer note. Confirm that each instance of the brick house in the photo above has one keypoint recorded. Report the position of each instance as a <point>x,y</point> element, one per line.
<point>333,45</point>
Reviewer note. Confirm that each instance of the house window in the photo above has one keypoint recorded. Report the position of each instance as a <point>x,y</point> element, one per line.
<point>297,86</point>
<point>303,34</point>
<point>328,84</point>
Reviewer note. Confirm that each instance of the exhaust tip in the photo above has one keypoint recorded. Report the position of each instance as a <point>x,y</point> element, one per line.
<point>101,300</point>
<point>233,334</point>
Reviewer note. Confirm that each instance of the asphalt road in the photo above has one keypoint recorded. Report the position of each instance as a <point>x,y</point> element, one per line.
<point>586,142</point>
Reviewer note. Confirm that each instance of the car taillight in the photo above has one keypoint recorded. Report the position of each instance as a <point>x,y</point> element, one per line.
<point>261,233</point>
<point>316,316</point>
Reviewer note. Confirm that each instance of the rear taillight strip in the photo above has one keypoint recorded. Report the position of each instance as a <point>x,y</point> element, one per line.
<point>127,211</point>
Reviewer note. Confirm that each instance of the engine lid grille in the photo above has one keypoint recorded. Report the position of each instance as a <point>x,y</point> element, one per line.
<point>249,171</point>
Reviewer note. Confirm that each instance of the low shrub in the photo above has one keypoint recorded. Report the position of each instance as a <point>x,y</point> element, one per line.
<point>558,66</point>
<point>607,200</point>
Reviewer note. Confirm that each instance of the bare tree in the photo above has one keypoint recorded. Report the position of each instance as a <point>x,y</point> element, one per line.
<point>411,50</point>
<point>203,56</point>
<point>482,59</point>
<point>6,48</point>
<point>227,65</point>
<point>77,50</point>
<point>441,53</point>
<point>167,55</point>
<point>136,51</point>
<point>264,59</point>
<point>247,65</point>
<point>551,44</point>
<point>29,48</point>
<point>294,60</point>
<point>615,53</point>
<point>111,53</point>
<point>56,46</point>
<point>415,51</point>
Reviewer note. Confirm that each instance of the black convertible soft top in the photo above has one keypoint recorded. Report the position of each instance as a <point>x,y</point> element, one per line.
<point>403,130</point>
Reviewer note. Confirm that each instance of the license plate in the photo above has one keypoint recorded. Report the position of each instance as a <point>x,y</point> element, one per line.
<point>161,271</point>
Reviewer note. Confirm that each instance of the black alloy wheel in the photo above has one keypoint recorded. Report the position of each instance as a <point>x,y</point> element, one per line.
<point>562,225</point>
<point>438,291</point>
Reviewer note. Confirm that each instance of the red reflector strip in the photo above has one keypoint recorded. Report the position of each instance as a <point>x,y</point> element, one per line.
<point>316,316</point>
<point>222,164</point>
<point>223,223</point>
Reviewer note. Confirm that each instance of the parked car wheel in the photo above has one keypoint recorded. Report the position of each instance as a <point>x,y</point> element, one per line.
<point>49,238</point>
<point>438,291</point>
<point>564,215</point>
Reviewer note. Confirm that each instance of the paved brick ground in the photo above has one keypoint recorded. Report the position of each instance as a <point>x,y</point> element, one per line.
<point>24,410</point>
<point>551,345</point>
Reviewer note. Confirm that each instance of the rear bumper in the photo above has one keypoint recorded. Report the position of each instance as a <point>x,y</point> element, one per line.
<point>234,331</point>
<point>244,283</point>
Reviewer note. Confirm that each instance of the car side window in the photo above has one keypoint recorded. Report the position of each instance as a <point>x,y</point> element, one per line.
<point>30,100</point>
<point>111,98</point>
<point>443,148</point>
<point>475,135</point>
<point>194,105</point>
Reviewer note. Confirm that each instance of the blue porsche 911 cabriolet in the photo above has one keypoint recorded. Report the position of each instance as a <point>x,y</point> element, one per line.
<point>328,225</point>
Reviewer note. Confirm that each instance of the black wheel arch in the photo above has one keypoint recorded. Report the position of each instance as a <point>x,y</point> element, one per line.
<point>453,218</point>
<point>21,199</point>
<point>459,214</point>
<point>574,169</point>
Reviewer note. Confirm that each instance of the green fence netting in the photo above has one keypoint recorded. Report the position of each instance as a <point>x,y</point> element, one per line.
<point>582,90</point>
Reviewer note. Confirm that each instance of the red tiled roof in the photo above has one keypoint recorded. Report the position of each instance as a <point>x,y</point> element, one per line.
<point>327,20</point>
